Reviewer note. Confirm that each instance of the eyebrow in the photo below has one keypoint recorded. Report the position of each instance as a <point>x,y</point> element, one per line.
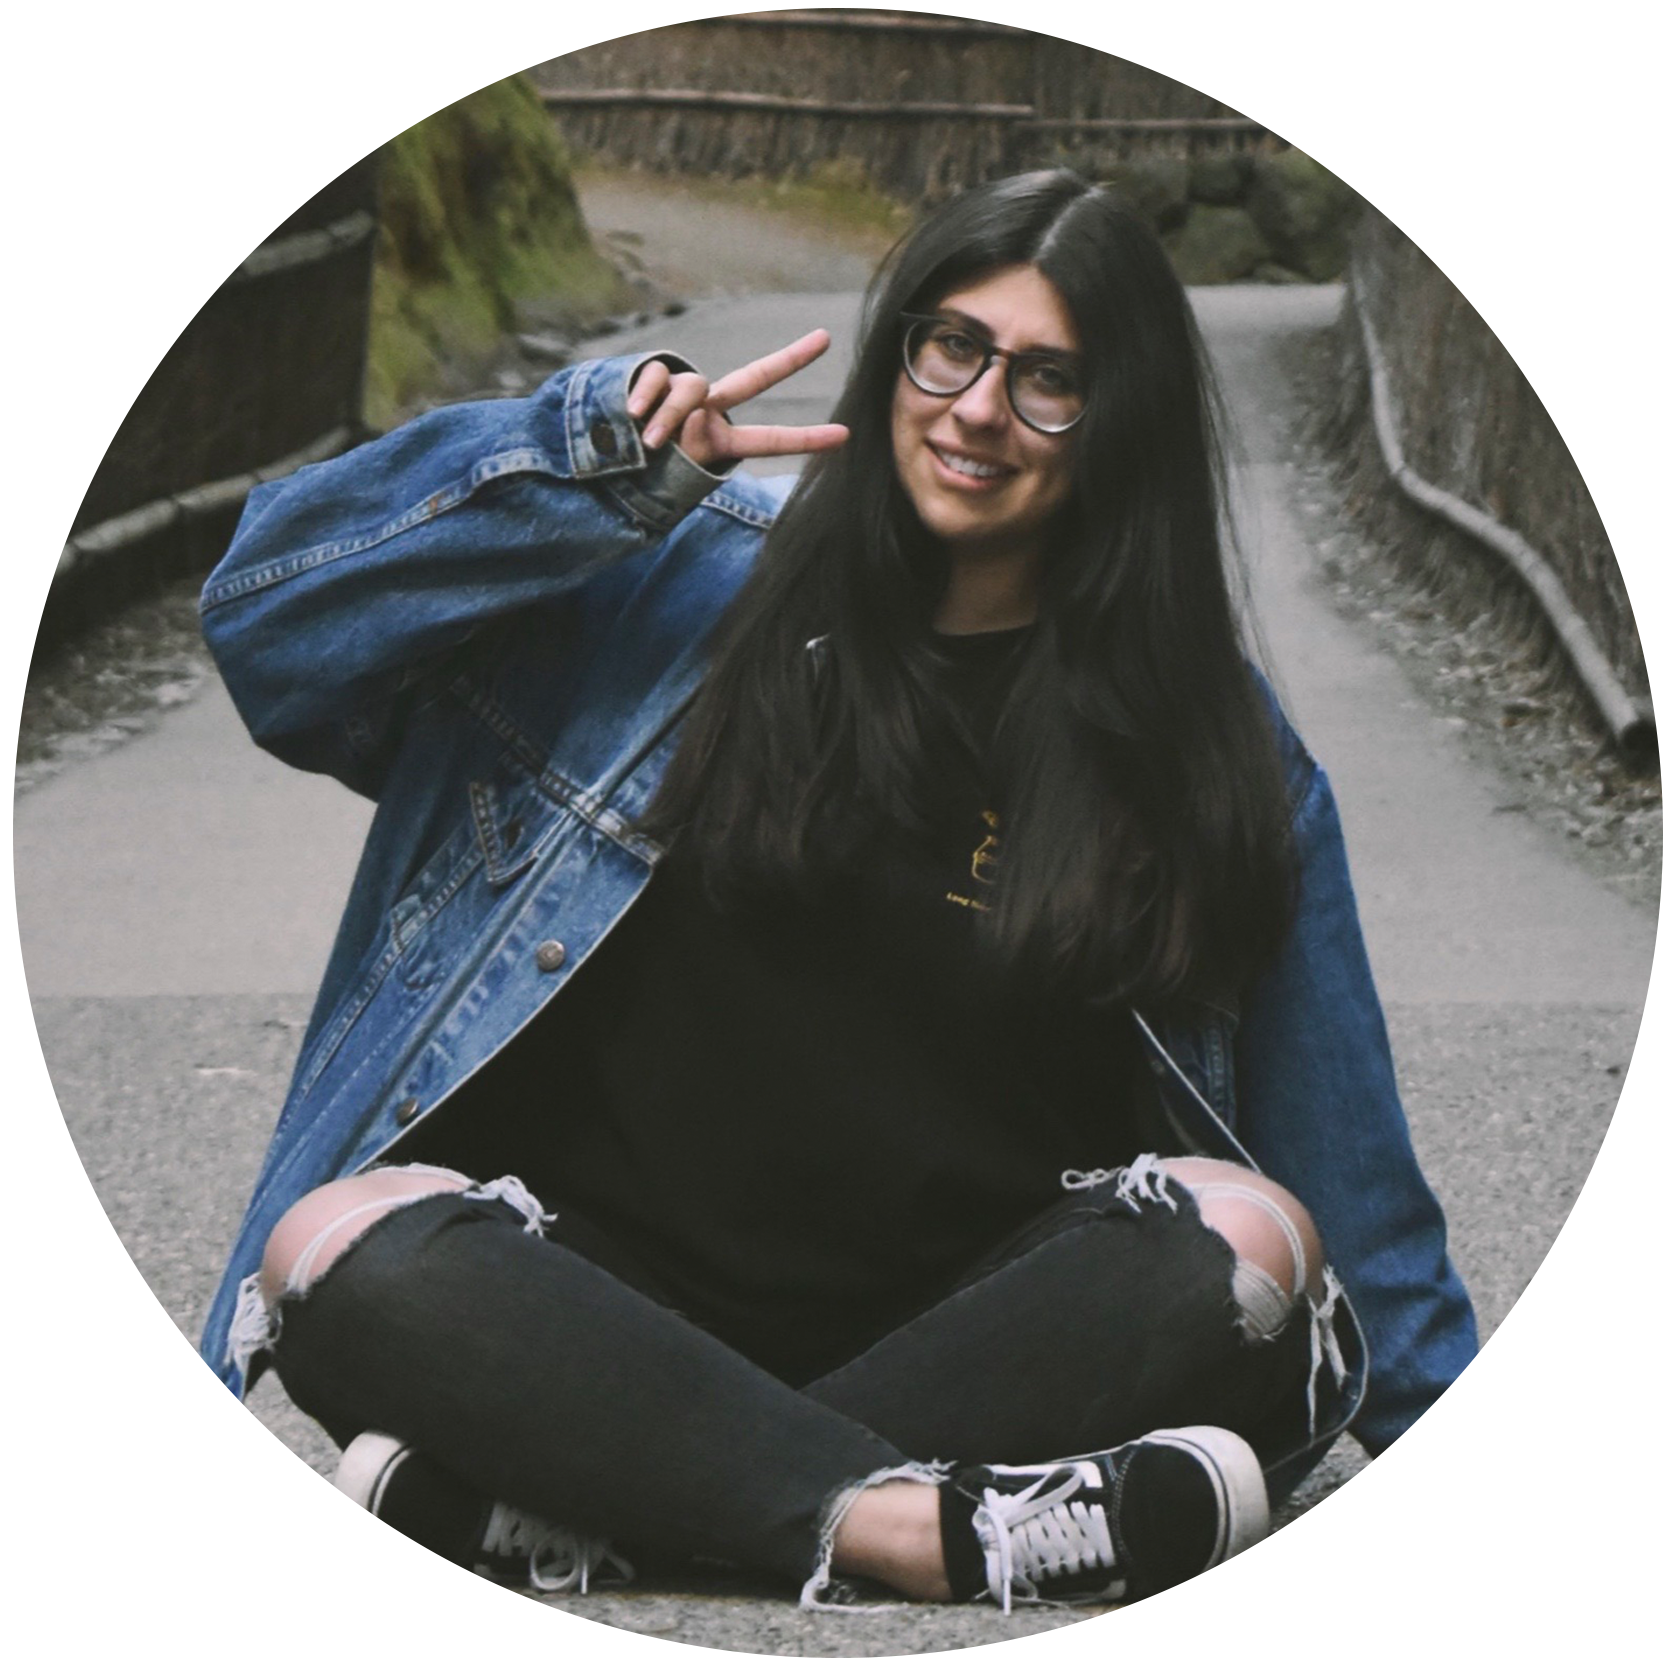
<point>954,315</point>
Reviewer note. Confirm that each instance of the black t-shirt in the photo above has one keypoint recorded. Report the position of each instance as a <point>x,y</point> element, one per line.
<point>798,1123</point>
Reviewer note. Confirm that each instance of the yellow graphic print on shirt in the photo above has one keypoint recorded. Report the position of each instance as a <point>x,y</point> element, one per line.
<point>984,862</point>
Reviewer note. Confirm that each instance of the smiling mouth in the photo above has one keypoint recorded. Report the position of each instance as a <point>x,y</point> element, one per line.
<point>968,468</point>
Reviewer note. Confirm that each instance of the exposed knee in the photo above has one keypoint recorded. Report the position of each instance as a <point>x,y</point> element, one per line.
<point>317,1228</point>
<point>1265,1224</point>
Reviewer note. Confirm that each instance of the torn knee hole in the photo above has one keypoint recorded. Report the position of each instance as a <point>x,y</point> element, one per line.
<point>327,1221</point>
<point>1268,1231</point>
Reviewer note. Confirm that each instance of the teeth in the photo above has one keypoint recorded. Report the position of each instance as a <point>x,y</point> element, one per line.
<point>966,466</point>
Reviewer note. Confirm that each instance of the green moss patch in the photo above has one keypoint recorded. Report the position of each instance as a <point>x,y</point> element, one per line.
<point>1216,246</point>
<point>478,213</point>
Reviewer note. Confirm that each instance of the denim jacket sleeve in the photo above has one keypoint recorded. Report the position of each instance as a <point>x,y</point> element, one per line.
<point>1319,1107</point>
<point>349,581</point>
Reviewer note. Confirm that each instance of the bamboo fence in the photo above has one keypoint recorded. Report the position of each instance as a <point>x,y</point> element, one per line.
<point>917,106</point>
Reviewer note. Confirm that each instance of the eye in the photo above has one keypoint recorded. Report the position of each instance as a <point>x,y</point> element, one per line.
<point>1052,377</point>
<point>957,345</point>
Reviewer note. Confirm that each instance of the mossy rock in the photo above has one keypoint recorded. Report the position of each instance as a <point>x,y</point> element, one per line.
<point>1221,181</point>
<point>1155,187</point>
<point>478,214</point>
<point>1305,212</point>
<point>1216,246</point>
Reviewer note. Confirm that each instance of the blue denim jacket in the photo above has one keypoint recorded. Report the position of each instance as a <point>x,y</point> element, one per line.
<point>490,622</point>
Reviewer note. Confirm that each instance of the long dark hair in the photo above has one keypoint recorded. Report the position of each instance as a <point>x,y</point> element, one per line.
<point>1144,852</point>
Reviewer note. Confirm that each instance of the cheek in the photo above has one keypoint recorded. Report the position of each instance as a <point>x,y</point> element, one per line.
<point>905,409</point>
<point>1054,480</point>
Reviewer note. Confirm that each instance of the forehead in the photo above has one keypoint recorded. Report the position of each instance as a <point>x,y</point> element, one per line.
<point>1018,307</point>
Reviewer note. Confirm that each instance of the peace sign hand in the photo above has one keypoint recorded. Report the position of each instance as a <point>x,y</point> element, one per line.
<point>683,406</point>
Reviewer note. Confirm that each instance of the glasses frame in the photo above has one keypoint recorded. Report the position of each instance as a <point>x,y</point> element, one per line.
<point>914,321</point>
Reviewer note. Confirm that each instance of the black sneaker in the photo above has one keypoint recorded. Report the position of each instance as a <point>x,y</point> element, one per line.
<point>1113,1527</point>
<point>427,1504</point>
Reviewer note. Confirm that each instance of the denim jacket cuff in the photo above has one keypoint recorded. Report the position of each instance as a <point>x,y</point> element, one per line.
<point>1637,1514</point>
<point>604,441</point>
<point>678,481</point>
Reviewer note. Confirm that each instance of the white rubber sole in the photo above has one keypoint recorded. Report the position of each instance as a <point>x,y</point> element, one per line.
<point>360,1477</point>
<point>1242,1494</point>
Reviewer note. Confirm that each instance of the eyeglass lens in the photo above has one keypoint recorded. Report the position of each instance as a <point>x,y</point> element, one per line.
<point>942,358</point>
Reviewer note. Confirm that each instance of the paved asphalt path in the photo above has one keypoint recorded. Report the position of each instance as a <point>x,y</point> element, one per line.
<point>176,900</point>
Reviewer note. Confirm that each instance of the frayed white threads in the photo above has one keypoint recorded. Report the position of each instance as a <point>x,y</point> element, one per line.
<point>511,1190</point>
<point>1145,1181</point>
<point>1264,1304</point>
<point>254,1327</point>
<point>1080,1180</point>
<point>1323,1345</point>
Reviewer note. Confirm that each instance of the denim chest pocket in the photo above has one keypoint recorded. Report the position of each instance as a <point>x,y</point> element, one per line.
<point>505,824</point>
<point>509,824</point>
<point>513,822</point>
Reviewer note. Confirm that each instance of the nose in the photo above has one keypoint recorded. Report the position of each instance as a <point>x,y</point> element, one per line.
<point>984,404</point>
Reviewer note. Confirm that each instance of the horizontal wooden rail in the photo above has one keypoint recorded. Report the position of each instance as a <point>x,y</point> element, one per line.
<point>881,22</point>
<point>1184,19</point>
<point>772,104</point>
<point>94,309</point>
<point>1144,124</point>
<point>92,544</point>
<point>1629,402</point>
<point>1630,719</point>
<point>860,23</point>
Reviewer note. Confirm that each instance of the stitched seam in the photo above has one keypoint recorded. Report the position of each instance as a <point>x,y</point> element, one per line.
<point>521,460</point>
<point>554,786</point>
<point>736,509</point>
<point>331,1041</point>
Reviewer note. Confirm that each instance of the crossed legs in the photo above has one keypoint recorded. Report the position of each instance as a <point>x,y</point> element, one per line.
<point>1109,1316</point>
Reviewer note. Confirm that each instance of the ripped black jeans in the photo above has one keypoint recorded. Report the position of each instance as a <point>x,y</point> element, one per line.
<point>548,1382</point>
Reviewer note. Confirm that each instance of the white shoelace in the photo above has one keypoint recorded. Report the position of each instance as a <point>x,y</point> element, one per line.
<point>558,1559</point>
<point>1042,1532</point>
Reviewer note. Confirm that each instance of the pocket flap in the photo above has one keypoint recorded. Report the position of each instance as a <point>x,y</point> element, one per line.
<point>511,823</point>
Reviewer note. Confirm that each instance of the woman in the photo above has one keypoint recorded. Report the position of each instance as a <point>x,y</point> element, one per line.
<point>819,1225</point>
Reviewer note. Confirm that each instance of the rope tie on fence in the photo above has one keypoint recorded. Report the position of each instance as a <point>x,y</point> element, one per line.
<point>97,307</point>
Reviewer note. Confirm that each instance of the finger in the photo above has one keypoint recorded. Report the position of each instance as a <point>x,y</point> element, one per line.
<point>648,388</point>
<point>769,441</point>
<point>751,380</point>
<point>687,393</point>
<point>698,442</point>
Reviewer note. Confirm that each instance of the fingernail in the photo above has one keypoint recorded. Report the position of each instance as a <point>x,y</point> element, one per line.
<point>651,436</point>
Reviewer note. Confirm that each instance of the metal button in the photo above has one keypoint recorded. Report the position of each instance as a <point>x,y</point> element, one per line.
<point>603,438</point>
<point>406,1111</point>
<point>551,954</point>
